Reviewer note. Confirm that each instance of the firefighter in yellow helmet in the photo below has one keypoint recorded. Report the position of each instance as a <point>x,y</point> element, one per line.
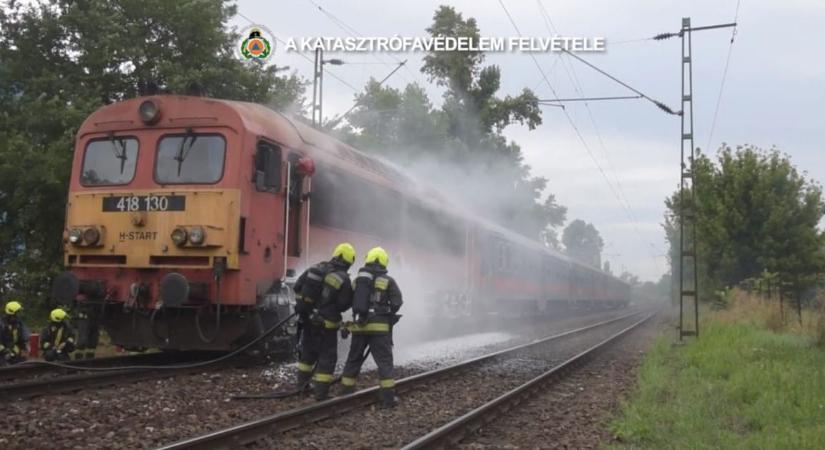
<point>322,293</point>
<point>14,337</point>
<point>57,340</point>
<point>375,306</point>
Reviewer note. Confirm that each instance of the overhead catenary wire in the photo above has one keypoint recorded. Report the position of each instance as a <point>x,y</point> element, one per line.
<point>574,79</point>
<point>571,74</point>
<point>590,99</point>
<point>301,54</point>
<point>355,33</point>
<point>564,110</point>
<point>629,41</point>
<point>659,104</point>
<point>332,123</point>
<point>724,77</point>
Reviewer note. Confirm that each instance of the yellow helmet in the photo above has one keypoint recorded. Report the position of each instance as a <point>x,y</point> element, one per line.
<point>57,315</point>
<point>379,255</point>
<point>13,307</point>
<point>345,251</point>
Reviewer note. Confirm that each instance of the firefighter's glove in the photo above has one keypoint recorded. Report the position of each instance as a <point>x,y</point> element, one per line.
<point>316,319</point>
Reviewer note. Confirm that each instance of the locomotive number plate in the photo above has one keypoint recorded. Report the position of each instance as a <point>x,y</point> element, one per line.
<point>130,203</point>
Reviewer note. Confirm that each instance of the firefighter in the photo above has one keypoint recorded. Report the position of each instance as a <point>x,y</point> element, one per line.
<point>57,340</point>
<point>322,293</point>
<point>375,306</point>
<point>14,337</point>
<point>88,330</point>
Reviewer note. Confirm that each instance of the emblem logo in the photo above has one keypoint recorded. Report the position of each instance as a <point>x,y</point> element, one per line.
<point>256,44</point>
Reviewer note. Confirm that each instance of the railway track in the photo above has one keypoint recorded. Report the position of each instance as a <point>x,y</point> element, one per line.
<point>76,381</point>
<point>252,431</point>
<point>452,433</point>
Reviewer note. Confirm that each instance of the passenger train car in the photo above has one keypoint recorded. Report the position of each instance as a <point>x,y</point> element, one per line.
<point>188,216</point>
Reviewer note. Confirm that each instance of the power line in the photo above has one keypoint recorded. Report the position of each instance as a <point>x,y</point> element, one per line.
<point>724,77</point>
<point>630,41</point>
<point>567,115</point>
<point>301,54</point>
<point>659,104</point>
<point>590,99</point>
<point>623,202</point>
<point>338,119</point>
<point>355,33</point>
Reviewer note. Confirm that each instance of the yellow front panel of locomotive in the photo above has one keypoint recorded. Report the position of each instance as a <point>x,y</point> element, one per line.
<point>136,228</point>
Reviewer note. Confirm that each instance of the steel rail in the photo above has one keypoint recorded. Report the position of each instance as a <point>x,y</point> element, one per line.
<point>79,381</point>
<point>452,433</point>
<point>245,433</point>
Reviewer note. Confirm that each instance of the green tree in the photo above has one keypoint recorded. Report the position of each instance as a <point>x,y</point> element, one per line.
<point>473,110</point>
<point>755,213</point>
<point>583,242</point>
<point>59,61</point>
<point>459,145</point>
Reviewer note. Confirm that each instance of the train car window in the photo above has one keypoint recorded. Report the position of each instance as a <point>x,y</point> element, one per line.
<point>190,158</point>
<point>347,202</point>
<point>434,230</point>
<point>268,167</point>
<point>109,161</point>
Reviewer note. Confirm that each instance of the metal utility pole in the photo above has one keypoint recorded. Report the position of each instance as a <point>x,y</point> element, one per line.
<point>688,275</point>
<point>688,255</point>
<point>318,86</point>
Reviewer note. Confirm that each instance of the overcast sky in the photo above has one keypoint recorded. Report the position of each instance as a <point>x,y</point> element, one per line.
<point>773,95</point>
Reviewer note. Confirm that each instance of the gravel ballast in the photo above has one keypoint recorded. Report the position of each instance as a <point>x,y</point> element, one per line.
<point>161,411</point>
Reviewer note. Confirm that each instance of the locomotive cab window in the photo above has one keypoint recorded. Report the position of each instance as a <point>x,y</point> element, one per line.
<point>109,161</point>
<point>267,167</point>
<point>190,158</point>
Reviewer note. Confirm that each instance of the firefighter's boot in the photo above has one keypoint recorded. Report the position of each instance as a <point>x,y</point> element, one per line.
<point>320,391</point>
<point>387,397</point>
<point>347,390</point>
<point>302,382</point>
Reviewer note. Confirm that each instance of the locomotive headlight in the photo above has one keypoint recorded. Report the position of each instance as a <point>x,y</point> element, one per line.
<point>149,112</point>
<point>179,236</point>
<point>91,235</point>
<point>197,235</point>
<point>76,236</point>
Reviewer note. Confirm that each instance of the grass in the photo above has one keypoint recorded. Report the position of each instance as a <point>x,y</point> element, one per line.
<point>740,385</point>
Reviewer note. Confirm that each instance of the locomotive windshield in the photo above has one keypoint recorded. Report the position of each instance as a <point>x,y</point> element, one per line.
<point>109,161</point>
<point>190,158</point>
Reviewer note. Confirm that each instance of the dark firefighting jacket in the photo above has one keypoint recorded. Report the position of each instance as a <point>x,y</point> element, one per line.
<point>324,291</point>
<point>57,334</point>
<point>14,337</point>
<point>376,300</point>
